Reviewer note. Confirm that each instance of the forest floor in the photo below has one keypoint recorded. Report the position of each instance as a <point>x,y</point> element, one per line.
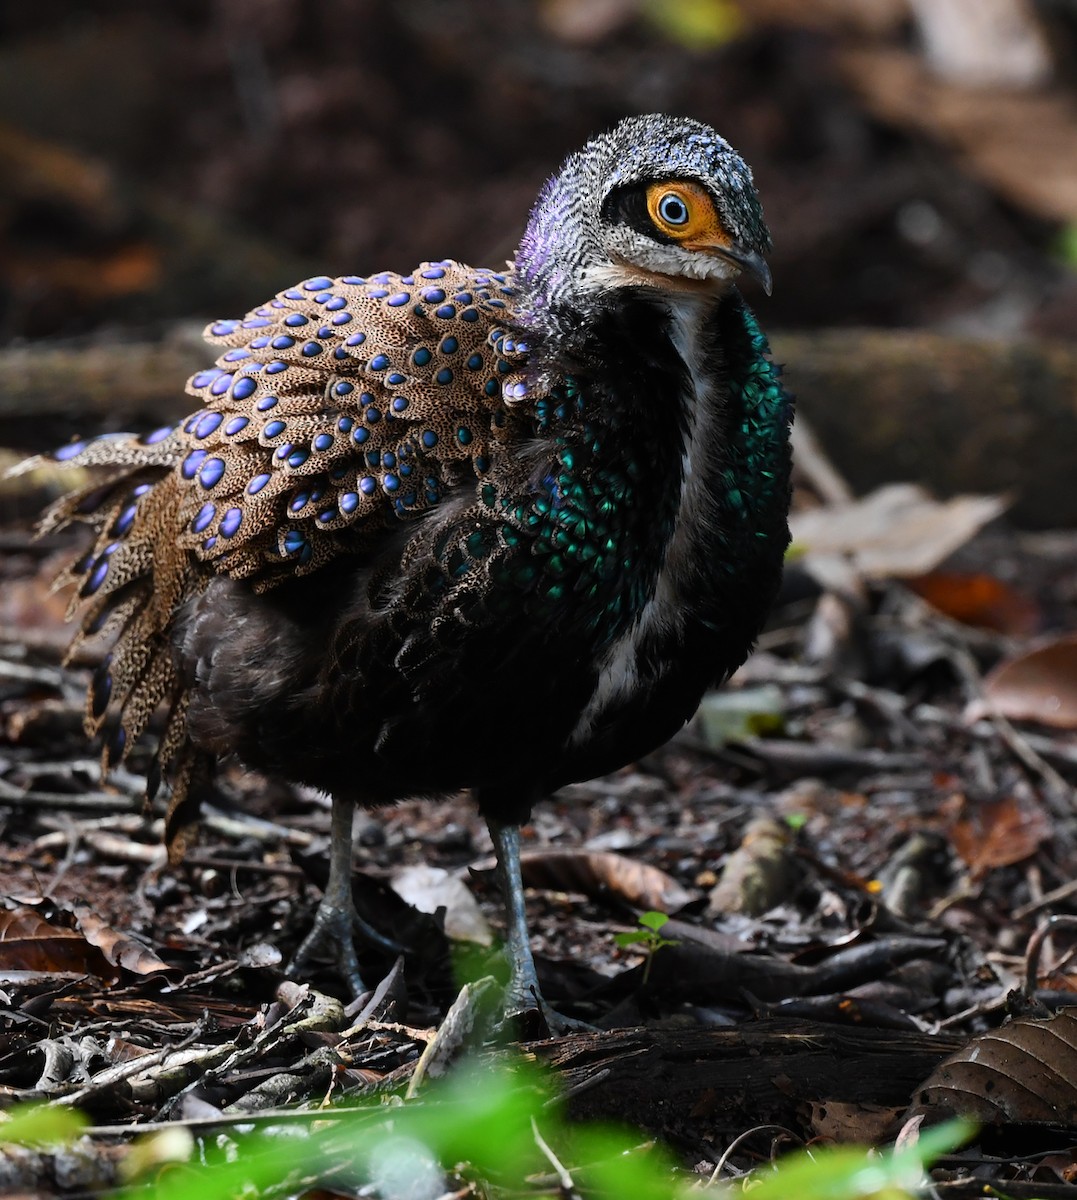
<point>853,843</point>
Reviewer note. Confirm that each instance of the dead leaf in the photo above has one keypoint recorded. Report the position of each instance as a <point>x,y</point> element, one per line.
<point>595,872</point>
<point>1025,1072</point>
<point>839,1121</point>
<point>119,948</point>
<point>1021,144</point>
<point>759,874</point>
<point>30,943</point>
<point>980,600</point>
<point>1038,685</point>
<point>998,833</point>
<point>895,532</point>
<point>430,888</point>
<point>121,1050</point>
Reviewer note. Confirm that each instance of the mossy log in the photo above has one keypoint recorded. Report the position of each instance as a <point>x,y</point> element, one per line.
<point>958,414</point>
<point>690,1084</point>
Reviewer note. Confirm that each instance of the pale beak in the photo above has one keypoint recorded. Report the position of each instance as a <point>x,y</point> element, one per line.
<point>748,261</point>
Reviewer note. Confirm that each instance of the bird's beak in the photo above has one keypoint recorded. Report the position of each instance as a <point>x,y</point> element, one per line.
<point>749,261</point>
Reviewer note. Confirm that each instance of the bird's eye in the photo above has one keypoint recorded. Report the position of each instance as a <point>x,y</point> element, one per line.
<point>683,210</point>
<point>672,209</point>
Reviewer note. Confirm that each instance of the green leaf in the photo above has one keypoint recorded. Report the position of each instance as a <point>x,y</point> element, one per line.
<point>653,920</point>
<point>37,1124</point>
<point>852,1172</point>
<point>616,1166</point>
<point>631,939</point>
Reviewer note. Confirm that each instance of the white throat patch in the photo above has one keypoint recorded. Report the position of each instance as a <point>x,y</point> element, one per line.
<point>619,673</point>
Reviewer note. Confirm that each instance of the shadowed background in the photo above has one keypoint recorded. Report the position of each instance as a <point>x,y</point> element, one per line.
<point>916,161</point>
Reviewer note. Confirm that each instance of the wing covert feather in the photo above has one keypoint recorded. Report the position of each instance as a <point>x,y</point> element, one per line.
<point>337,408</point>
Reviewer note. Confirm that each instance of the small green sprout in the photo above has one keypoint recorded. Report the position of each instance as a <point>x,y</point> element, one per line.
<point>648,937</point>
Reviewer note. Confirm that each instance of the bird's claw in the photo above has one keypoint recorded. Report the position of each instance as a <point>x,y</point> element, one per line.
<point>374,937</point>
<point>331,936</point>
<point>533,1020</point>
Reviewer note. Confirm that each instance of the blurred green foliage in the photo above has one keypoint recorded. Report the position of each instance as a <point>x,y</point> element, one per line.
<point>696,24</point>
<point>1067,245</point>
<point>500,1128</point>
<point>40,1125</point>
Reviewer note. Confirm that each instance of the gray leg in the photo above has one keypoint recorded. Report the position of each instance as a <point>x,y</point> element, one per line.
<point>522,997</point>
<point>332,928</point>
<point>523,993</point>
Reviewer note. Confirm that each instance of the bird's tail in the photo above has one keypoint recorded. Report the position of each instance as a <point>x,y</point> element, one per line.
<point>127,589</point>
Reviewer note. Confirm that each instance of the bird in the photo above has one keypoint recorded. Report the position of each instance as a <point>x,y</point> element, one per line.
<point>459,528</point>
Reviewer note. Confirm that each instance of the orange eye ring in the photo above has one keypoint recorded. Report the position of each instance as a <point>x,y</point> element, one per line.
<point>685,211</point>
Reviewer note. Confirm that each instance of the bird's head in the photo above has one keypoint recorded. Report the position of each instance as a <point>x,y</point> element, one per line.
<point>658,202</point>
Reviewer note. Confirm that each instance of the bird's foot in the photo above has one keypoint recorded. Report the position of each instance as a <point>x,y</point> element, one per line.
<point>331,937</point>
<point>528,1015</point>
<point>370,936</point>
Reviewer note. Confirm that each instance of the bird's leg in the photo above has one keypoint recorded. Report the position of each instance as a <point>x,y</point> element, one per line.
<point>524,1005</point>
<point>523,993</point>
<point>336,915</point>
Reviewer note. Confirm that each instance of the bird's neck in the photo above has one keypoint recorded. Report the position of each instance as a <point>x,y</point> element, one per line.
<point>731,532</point>
<point>678,419</point>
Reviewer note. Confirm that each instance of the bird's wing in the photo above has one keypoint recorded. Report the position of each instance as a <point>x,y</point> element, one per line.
<point>338,409</point>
